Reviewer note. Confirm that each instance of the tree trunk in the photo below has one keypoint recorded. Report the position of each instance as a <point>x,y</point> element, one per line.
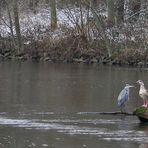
<point>93,3</point>
<point>47,1</point>
<point>120,11</point>
<point>11,25</point>
<point>111,12</point>
<point>33,5</point>
<point>17,27</point>
<point>53,14</point>
<point>10,20</point>
<point>0,10</point>
<point>82,30</point>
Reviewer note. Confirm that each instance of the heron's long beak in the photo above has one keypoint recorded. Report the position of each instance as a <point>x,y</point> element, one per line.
<point>131,86</point>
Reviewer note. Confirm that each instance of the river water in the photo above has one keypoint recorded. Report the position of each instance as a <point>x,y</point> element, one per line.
<point>58,105</point>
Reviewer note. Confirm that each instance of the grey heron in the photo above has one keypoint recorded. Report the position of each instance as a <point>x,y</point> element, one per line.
<point>143,93</point>
<point>123,97</point>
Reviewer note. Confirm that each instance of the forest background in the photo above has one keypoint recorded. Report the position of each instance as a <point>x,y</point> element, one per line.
<point>88,31</point>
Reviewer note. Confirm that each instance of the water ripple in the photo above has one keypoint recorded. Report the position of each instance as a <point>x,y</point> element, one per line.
<point>67,126</point>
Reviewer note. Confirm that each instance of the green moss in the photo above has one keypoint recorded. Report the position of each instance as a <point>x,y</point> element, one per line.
<point>141,111</point>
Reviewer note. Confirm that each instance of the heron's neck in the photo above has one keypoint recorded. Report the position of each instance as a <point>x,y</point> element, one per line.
<point>142,86</point>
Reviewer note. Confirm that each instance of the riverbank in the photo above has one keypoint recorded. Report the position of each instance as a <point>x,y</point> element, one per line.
<point>130,57</point>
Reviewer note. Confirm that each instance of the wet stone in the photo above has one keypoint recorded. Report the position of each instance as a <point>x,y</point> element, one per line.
<point>142,114</point>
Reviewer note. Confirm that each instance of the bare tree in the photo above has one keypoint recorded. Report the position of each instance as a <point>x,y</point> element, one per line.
<point>47,1</point>
<point>10,25</point>
<point>111,12</point>
<point>119,11</point>
<point>0,9</point>
<point>100,25</point>
<point>33,5</point>
<point>53,14</point>
<point>17,26</point>
<point>93,3</point>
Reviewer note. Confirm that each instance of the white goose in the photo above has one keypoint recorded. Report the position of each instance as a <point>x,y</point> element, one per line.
<point>143,93</point>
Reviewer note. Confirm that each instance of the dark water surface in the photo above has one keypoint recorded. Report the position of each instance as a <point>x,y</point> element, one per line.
<point>57,105</point>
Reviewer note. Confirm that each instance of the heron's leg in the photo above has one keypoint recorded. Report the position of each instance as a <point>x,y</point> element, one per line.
<point>144,103</point>
<point>123,108</point>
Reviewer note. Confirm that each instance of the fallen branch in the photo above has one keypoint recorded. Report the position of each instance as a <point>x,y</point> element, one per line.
<point>109,113</point>
<point>116,113</point>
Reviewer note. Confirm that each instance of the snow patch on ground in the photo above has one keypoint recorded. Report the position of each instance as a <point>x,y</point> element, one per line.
<point>30,22</point>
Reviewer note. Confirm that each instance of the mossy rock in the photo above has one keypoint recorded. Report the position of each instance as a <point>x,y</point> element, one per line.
<point>142,114</point>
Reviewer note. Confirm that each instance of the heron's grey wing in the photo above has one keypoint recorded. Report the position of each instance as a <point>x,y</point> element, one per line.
<point>123,97</point>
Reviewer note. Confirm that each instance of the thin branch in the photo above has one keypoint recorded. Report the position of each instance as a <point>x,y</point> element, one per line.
<point>100,25</point>
<point>109,113</point>
<point>144,10</point>
<point>5,23</point>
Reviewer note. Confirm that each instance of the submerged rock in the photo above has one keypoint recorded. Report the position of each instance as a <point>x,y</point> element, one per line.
<point>142,114</point>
